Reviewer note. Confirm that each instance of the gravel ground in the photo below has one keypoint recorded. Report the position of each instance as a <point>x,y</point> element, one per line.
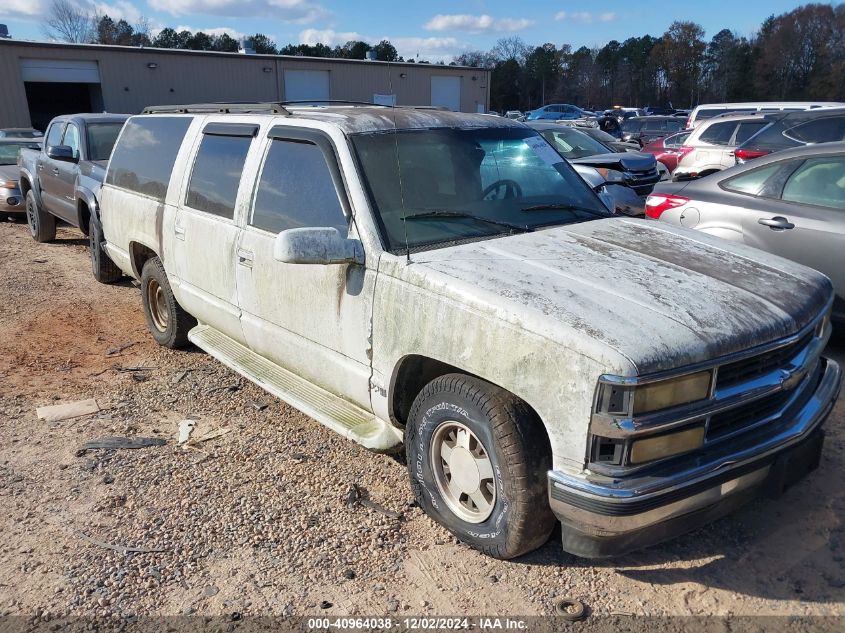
<point>280,516</point>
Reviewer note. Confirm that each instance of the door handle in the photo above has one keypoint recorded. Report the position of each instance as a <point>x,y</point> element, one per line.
<point>55,172</point>
<point>39,167</point>
<point>245,258</point>
<point>179,231</point>
<point>777,223</point>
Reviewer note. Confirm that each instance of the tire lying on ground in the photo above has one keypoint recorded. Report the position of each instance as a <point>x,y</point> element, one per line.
<point>104,269</point>
<point>478,458</point>
<point>167,321</point>
<point>42,225</point>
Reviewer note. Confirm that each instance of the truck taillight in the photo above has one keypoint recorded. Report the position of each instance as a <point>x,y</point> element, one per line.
<point>657,203</point>
<point>689,123</point>
<point>749,154</point>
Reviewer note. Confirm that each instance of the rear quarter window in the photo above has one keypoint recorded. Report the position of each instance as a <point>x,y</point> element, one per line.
<point>144,156</point>
<point>818,131</point>
<point>718,133</point>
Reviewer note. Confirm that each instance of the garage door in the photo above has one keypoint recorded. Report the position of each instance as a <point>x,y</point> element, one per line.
<point>446,92</point>
<point>60,70</point>
<point>307,85</point>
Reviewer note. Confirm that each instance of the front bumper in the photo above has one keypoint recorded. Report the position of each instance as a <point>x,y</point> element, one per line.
<point>604,516</point>
<point>11,201</point>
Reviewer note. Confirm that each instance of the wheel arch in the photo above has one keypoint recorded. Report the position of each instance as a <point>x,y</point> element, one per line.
<point>140,254</point>
<point>415,371</point>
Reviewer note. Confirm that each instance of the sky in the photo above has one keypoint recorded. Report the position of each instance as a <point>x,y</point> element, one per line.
<point>435,30</point>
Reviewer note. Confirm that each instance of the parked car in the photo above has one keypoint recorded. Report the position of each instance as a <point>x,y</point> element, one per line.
<point>647,129</point>
<point>659,111</point>
<point>20,132</point>
<point>793,129</point>
<point>11,198</point>
<point>61,179</point>
<point>627,176</point>
<point>709,110</point>
<point>559,111</point>
<point>469,296</point>
<point>515,114</point>
<point>710,146</point>
<point>603,137</point>
<point>667,150</point>
<point>791,204</point>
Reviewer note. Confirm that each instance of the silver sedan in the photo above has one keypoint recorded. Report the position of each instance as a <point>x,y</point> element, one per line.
<point>790,203</point>
<point>11,200</point>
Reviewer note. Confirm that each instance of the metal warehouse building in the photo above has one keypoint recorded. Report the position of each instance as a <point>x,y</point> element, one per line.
<point>41,80</point>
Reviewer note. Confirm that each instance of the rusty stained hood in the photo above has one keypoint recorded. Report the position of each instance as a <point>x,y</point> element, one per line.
<point>660,296</point>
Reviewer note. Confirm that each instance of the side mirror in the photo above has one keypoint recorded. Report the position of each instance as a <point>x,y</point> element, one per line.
<point>63,153</point>
<point>323,245</point>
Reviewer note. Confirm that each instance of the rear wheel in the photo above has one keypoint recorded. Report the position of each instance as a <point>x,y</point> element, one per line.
<point>104,269</point>
<point>167,321</point>
<point>478,460</point>
<point>42,225</point>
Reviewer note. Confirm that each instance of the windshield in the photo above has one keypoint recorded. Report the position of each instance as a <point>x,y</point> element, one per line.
<point>470,183</point>
<point>9,151</point>
<point>573,144</point>
<point>101,138</point>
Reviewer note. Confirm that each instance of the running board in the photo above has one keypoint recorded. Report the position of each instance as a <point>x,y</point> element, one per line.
<point>339,415</point>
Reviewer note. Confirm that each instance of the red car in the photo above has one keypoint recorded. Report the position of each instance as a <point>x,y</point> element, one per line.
<point>668,150</point>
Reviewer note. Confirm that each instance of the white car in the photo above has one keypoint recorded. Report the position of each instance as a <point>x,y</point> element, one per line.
<point>710,146</point>
<point>447,284</point>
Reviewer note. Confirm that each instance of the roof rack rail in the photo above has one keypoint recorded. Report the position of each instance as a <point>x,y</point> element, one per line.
<point>222,107</point>
<point>359,103</point>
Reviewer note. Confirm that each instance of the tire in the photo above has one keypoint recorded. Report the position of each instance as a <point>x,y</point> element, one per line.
<point>512,515</point>
<point>42,225</point>
<point>167,321</point>
<point>104,269</point>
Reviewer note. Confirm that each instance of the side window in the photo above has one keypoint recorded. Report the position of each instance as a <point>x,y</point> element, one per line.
<point>718,133</point>
<point>71,138</point>
<point>54,136</point>
<point>752,182</point>
<point>747,130</point>
<point>217,174</point>
<point>818,131</point>
<point>144,156</point>
<point>819,181</point>
<point>296,190</point>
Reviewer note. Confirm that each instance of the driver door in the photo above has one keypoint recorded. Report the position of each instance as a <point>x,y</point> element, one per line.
<point>312,319</point>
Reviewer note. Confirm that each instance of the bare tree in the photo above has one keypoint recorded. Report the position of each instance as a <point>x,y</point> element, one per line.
<point>68,22</point>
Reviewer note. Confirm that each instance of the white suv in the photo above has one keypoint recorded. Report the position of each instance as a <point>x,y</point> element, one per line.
<point>446,281</point>
<point>710,146</point>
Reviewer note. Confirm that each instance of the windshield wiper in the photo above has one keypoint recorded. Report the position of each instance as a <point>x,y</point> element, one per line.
<point>460,214</point>
<point>564,206</point>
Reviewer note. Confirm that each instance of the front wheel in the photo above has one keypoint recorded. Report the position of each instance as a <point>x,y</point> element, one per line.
<point>167,321</point>
<point>478,459</point>
<point>42,225</point>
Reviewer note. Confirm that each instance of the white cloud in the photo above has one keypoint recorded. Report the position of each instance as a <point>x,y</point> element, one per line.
<point>295,11</point>
<point>434,49</point>
<point>120,10</point>
<point>475,23</point>
<point>585,17</point>
<point>23,9</point>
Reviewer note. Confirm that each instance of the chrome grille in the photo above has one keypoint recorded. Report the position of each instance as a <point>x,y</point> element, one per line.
<point>750,368</point>
<point>737,419</point>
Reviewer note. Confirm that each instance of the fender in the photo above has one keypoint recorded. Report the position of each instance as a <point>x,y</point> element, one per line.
<point>35,186</point>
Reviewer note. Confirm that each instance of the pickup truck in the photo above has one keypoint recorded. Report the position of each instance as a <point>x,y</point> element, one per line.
<point>446,284</point>
<point>61,179</point>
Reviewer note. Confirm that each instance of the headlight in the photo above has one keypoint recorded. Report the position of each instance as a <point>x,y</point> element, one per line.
<point>610,175</point>
<point>8,184</point>
<point>662,446</point>
<point>633,400</point>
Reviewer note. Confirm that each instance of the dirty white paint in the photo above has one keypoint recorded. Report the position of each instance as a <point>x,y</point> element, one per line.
<point>541,314</point>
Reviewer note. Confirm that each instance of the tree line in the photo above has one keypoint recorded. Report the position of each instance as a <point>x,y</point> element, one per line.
<point>798,55</point>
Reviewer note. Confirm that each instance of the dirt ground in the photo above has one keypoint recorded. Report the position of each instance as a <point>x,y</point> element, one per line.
<point>262,520</point>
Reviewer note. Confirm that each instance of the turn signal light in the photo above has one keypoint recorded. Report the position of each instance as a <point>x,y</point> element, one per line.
<point>657,203</point>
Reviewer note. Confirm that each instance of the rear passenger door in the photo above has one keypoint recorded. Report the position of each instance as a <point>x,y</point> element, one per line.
<point>205,227</point>
<point>312,319</point>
